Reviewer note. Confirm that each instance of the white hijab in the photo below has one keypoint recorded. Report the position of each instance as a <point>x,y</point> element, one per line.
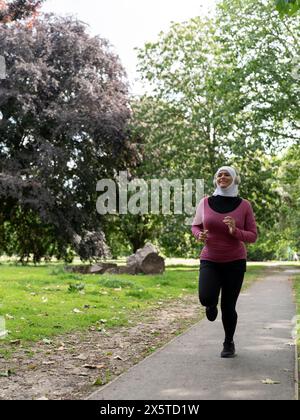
<point>232,190</point>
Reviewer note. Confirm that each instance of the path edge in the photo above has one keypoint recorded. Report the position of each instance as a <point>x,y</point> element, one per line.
<point>89,397</point>
<point>296,372</point>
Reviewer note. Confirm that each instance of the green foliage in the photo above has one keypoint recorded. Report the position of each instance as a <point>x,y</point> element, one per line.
<point>220,90</point>
<point>140,294</point>
<point>60,272</point>
<point>73,288</point>
<point>287,7</point>
<point>126,233</point>
<point>288,184</point>
<point>116,283</point>
<point>27,237</point>
<point>116,240</point>
<point>280,242</point>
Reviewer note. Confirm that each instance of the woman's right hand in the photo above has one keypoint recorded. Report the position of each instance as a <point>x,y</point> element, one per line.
<point>203,236</point>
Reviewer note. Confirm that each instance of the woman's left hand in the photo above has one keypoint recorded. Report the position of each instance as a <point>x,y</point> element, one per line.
<point>230,222</point>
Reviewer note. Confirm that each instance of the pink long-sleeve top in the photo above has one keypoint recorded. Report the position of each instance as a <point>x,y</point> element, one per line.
<point>221,245</point>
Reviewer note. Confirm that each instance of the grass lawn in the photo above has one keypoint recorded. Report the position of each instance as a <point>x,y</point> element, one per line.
<point>40,302</point>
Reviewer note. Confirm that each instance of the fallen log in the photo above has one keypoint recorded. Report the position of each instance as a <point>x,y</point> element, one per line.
<point>146,260</point>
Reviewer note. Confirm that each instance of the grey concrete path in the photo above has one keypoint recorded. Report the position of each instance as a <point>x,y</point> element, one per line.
<point>190,367</point>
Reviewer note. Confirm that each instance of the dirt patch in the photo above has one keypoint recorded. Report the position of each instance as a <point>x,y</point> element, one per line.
<point>72,366</point>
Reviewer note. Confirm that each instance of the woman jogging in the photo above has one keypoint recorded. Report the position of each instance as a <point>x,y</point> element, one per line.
<point>223,222</point>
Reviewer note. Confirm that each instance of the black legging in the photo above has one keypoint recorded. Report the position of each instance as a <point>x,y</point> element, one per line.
<point>227,277</point>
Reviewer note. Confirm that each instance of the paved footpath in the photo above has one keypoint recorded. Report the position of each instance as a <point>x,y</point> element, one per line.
<point>190,367</point>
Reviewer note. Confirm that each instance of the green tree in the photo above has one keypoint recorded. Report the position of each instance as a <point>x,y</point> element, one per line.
<point>266,50</point>
<point>289,187</point>
<point>287,7</point>
<point>219,90</point>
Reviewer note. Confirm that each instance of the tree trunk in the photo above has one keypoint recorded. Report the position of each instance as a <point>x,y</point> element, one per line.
<point>146,260</point>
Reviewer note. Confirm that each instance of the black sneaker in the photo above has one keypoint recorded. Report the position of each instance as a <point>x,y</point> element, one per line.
<point>211,313</point>
<point>228,350</point>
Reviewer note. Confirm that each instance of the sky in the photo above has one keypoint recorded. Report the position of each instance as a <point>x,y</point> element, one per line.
<point>129,23</point>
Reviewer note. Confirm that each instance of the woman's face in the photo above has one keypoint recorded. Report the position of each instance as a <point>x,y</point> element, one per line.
<point>224,179</point>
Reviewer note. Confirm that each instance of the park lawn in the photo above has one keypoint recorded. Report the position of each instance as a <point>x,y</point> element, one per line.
<point>41,302</point>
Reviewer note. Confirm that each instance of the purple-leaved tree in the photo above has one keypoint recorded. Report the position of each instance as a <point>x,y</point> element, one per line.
<point>65,110</point>
<point>16,10</point>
